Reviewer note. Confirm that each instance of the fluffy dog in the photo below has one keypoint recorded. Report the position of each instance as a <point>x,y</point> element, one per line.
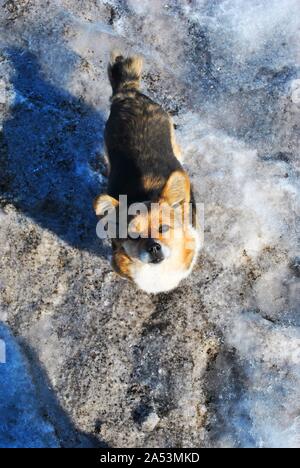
<point>161,242</point>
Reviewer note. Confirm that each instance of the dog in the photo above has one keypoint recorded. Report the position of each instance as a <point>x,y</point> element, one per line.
<point>159,248</point>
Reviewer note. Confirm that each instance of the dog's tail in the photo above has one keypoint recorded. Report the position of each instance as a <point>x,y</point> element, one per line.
<point>124,72</point>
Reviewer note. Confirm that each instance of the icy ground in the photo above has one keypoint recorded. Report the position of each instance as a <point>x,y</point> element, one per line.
<point>90,360</point>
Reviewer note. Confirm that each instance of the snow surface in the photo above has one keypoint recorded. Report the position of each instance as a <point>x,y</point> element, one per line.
<point>21,421</point>
<point>217,362</point>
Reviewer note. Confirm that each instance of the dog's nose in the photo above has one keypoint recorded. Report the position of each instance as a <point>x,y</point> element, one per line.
<point>154,248</point>
<point>155,251</point>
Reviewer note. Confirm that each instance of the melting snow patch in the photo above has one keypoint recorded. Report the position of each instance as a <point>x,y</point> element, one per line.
<point>21,423</point>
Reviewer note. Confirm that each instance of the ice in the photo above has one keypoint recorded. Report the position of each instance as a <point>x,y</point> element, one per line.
<point>216,362</point>
<point>21,420</point>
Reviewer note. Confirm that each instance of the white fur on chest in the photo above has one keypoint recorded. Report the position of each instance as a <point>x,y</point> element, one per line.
<point>157,278</point>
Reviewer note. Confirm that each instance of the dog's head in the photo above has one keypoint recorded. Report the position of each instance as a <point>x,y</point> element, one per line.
<point>159,238</point>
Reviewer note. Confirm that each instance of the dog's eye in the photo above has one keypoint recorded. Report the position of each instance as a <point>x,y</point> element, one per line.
<point>163,228</point>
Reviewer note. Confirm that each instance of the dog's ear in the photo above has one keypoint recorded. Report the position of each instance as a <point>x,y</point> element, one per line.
<point>105,204</point>
<point>177,189</point>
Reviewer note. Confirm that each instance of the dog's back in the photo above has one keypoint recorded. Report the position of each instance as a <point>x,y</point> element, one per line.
<point>138,136</point>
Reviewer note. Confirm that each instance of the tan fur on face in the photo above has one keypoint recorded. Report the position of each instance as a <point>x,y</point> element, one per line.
<point>166,275</point>
<point>169,273</point>
<point>179,240</point>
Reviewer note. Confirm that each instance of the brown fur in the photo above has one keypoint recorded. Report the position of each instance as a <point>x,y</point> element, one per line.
<point>152,182</point>
<point>121,263</point>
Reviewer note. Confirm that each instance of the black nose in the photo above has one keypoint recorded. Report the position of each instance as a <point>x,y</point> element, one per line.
<point>155,251</point>
<point>154,248</point>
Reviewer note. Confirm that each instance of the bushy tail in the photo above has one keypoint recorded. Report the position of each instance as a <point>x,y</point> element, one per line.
<point>124,72</point>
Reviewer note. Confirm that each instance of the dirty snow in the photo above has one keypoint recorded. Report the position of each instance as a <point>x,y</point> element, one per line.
<point>216,362</point>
